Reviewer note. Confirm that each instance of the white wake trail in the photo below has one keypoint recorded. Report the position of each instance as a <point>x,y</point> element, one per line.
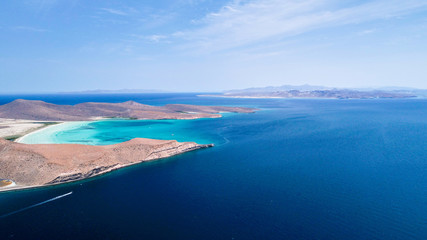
<point>36,205</point>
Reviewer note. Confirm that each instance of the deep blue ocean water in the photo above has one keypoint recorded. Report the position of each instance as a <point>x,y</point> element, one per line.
<point>297,169</point>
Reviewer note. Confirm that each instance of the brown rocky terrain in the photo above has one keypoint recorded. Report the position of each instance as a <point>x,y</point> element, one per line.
<point>45,164</point>
<point>23,166</point>
<point>43,111</point>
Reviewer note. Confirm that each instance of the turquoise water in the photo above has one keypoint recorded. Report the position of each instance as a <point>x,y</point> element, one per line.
<point>298,169</point>
<point>107,132</point>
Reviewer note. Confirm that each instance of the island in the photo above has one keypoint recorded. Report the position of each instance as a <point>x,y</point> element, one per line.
<point>35,165</point>
<point>307,91</point>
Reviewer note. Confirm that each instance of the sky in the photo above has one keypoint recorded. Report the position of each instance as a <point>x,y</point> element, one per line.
<point>210,45</point>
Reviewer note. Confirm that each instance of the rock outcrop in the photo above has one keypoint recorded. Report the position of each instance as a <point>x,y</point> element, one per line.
<point>46,164</point>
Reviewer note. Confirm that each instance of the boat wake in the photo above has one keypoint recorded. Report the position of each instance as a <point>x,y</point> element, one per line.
<point>36,205</point>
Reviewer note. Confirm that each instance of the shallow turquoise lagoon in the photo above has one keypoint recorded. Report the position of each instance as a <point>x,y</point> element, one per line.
<point>114,131</point>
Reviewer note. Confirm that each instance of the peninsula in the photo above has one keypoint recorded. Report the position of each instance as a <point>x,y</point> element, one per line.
<point>35,165</point>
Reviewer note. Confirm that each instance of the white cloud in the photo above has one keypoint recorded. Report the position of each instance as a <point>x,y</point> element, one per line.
<point>242,23</point>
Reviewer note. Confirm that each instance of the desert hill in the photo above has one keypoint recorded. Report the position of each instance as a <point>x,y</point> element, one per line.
<point>30,165</point>
<point>43,111</point>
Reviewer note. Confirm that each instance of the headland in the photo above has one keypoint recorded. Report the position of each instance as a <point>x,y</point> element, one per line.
<point>35,165</point>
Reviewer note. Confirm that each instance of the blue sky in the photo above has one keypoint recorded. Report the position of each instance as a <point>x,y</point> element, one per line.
<point>210,45</point>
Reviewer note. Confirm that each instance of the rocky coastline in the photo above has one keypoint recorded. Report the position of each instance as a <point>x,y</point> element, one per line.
<point>37,165</point>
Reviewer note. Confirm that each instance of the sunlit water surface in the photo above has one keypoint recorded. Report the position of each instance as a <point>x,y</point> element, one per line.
<point>297,169</point>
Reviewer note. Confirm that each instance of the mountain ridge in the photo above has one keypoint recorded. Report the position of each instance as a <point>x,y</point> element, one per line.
<point>309,91</point>
<point>40,110</point>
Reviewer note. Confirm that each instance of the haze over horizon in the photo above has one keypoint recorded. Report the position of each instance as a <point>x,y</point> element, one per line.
<point>211,46</point>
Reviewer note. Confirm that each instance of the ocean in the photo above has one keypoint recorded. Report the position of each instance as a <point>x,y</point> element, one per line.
<point>296,169</point>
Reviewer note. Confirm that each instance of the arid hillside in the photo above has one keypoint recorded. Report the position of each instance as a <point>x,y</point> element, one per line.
<point>43,111</point>
<point>43,164</point>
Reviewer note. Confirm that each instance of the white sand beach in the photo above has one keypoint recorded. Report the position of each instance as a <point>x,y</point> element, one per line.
<point>11,127</point>
<point>14,128</point>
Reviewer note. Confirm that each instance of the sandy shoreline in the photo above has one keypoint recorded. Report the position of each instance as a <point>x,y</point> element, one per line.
<point>20,139</point>
<point>42,165</point>
<point>14,129</point>
<point>35,127</point>
<point>42,127</point>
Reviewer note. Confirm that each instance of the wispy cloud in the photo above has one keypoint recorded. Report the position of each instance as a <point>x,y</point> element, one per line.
<point>29,29</point>
<point>366,32</point>
<point>242,23</point>
<point>156,20</point>
<point>156,38</point>
<point>114,11</point>
<point>127,12</point>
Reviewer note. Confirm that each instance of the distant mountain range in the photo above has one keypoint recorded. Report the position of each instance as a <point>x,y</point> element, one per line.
<point>309,91</point>
<point>304,87</point>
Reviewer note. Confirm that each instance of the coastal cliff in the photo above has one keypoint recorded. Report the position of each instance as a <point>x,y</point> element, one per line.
<point>46,164</point>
